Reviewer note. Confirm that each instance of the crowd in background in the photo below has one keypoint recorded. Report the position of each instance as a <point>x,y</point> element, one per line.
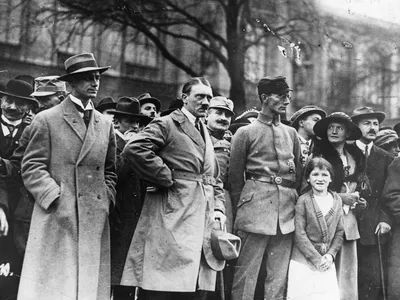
<point>122,200</point>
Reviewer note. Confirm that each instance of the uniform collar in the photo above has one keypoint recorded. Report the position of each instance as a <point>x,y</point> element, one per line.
<point>276,120</point>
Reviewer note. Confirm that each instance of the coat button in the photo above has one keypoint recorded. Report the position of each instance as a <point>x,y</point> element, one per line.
<point>97,168</point>
<point>79,195</point>
<point>98,197</point>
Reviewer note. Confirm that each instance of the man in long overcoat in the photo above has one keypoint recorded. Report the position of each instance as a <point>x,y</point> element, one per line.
<point>375,219</point>
<point>69,168</point>
<point>165,257</point>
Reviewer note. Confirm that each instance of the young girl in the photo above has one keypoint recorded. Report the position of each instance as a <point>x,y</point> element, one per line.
<point>318,236</point>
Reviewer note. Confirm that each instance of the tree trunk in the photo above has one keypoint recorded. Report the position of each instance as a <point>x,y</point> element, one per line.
<point>235,48</point>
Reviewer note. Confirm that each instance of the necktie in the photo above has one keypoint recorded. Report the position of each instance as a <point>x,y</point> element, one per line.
<point>366,152</point>
<point>86,114</point>
<point>198,127</point>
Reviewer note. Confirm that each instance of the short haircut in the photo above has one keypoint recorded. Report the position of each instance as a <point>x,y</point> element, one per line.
<point>187,87</point>
<point>318,162</point>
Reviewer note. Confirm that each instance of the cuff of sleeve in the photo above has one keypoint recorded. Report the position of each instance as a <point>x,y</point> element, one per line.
<point>48,200</point>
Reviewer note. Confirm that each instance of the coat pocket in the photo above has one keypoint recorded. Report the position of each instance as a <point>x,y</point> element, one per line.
<point>246,198</point>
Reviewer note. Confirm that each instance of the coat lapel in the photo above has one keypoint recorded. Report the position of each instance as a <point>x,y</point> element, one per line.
<point>321,221</point>
<point>372,160</point>
<point>90,136</point>
<point>74,120</point>
<point>188,128</point>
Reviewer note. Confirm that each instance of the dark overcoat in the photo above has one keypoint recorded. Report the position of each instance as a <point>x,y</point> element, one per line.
<point>70,171</point>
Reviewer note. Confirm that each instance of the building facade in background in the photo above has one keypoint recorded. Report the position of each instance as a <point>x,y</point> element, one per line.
<point>348,61</point>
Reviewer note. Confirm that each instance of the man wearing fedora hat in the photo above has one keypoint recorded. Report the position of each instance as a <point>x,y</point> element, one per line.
<point>149,106</point>
<point>130,189</point>
<point>175,154</point>
<point>303,121</point>
<point>106,105</point>
<point>69,168</point>
<point>264,170</point>
<point>375,219</point>
<point>15,104</point>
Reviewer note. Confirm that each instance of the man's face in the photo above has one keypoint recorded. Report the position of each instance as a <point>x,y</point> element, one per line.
<point>369,128</point>
<point>308,123</point>
<point>14,108</point>
<point>219,119</point>
<point>337,133</point>
<point>277,104</point>
<point>46,102</point>
<point>148,109</point>
<point>197,101</point>
<point>86,85</point>
<point>123,124</point>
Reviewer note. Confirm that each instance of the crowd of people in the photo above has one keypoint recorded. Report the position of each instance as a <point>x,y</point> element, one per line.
<point>124,201</point>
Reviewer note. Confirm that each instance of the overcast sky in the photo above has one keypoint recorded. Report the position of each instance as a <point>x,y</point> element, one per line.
<point>388,10</point>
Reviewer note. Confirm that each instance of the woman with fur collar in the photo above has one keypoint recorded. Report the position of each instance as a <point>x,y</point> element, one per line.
<point>350,183</point>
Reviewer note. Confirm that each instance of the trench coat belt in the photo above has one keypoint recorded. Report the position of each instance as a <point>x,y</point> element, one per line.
<point>205,179</point>
<point>271,179</point>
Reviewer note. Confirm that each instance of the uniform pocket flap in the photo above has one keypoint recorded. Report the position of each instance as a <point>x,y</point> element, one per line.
<point>246,198</point>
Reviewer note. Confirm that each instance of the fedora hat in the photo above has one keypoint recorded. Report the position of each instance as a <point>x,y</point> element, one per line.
<point>219,246</point>
<point>48,85</point>
<point>175,104</point>
<point>146,98</point>
<point>222,103</point>
<point>386,136</point>
<point>306,111</point>
<point>19,89</point>
<point>321,127</point>
<point>106,103</point>
<point>364,112</point>
<point>130,106</point>
<point>80,63</point>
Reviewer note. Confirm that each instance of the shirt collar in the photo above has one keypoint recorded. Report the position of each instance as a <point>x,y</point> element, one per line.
<point>89,105</point>
<point>14,123</point>
<point>188,114</point>
<point>276,120</point>
<point>303,140</point>
<point>361,146</point>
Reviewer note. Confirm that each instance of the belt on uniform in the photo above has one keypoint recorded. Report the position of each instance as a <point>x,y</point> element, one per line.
<point>271,179</point>
<point>205,179</point>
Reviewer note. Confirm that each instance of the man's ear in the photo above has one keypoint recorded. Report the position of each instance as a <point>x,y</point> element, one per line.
<point>301,123</point>
<point>264,98</point>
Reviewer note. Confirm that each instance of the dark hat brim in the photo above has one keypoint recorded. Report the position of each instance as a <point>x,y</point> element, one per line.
<point>69,76</point>
<point>378,114</point>
<point>155,101</point>
<point>142,118</point>
<point>167,112</point>
<point>20,97</point>
<point>321,127</point>
<point>103,107</point>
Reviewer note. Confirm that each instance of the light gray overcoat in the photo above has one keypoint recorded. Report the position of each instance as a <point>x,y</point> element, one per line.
<point>70,171</point>
<point>166,249</point>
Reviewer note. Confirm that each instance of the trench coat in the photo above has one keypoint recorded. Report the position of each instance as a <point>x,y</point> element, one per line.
<point>70,171</point>
<point>166,249</point>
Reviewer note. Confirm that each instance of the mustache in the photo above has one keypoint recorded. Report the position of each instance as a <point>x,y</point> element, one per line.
<point>204,106</point>
<point>372,131</point>
<point>223,122</point>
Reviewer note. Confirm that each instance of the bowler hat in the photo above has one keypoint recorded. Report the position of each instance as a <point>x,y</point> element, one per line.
<point>386,136</point>
<point>19,89</point>
<point>106,103</point>
<point>146,98</point>
<point>222,103</point>
<point>130,106</point>
<point>219,246</point>
<point>80,63</point>
<point>306,111</point>
<point>367,112</point>
<point>273,85</point>
<point>321,127</point>
<point>48,85</point>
